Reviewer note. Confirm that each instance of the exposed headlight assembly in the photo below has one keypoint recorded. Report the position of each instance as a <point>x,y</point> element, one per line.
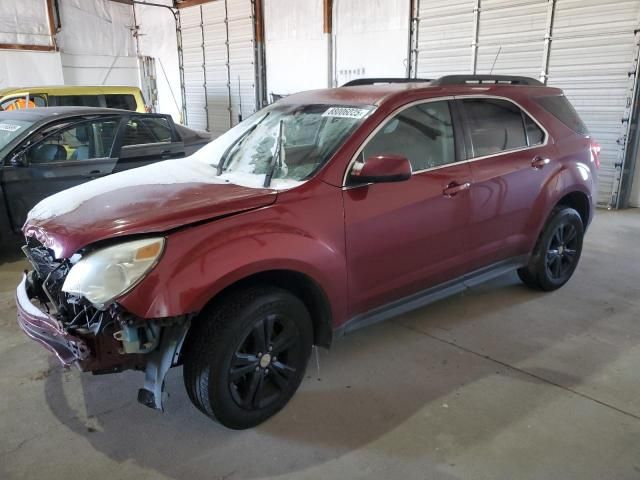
<point>105,274</point>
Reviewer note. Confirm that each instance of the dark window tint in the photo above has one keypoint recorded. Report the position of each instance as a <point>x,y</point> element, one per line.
<point>124,102</point>
<point>83,141</point>
<point>423,134</point>
<point>141,130</point>
<point>495,125</point>
<point>535,135</point>
<point>560,108</point>
<point>77,101</point>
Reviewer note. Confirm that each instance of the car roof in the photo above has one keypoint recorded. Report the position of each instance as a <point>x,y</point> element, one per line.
<point>377,94</point>
<point>42,113</point>
<point>69,89</point>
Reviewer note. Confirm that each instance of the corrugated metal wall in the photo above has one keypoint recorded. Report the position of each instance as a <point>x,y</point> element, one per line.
<point>592,54</point>
<point>219,64</point>
<point>193,60</point>
<point>592,50</point>
<point>444,37</point>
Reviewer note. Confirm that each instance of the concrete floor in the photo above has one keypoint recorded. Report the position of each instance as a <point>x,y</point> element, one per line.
<point>499,383</point>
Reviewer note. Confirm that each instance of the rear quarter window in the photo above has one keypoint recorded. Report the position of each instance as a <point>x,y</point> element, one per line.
<point>561,108</point>
<point>123,102</point>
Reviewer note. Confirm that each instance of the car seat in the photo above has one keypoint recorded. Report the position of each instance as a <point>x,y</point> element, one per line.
<point>48,152</point>
<point>82,152</point>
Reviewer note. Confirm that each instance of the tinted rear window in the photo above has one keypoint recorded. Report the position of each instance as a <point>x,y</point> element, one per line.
<point>77,100</point>
<point>124,102</point>
<point>559,107</point>
<point>496,125</point>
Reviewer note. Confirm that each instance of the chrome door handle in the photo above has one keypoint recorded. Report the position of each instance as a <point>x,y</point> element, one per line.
<point>454,188</point>
<point>539,162</point>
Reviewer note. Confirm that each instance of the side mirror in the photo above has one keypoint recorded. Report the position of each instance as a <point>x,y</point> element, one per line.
<point>382,169</point>
<point>19,159</point>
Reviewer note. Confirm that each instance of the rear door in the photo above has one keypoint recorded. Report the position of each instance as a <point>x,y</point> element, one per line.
<point>510,163</point>
<point>404,237</point>
<point>146,139</point>
<point>65,156</point>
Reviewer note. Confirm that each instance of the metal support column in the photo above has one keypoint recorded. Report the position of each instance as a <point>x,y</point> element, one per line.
<point>204,71</point>
<point>183,89</point>
<point>327,12</point>
<point>548,36</point>
<point>226,26</point>
<point>474,42</point>
<point>631,138</point>
<point>260,70</point>
<point>414,29</point>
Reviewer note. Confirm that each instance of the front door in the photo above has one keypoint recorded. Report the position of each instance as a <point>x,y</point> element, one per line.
<point>404,237</point>
<point>64,157</point>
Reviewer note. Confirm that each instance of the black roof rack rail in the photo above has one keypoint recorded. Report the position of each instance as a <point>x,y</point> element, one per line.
<point>495,79</point>
<point>373,81</point>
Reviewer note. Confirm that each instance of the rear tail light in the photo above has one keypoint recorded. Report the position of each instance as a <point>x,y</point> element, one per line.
<point>595,153</point>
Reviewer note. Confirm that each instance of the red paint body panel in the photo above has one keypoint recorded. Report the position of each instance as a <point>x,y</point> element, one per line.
<point>303,231</point>
<point>143,209</point>
<point>404,237</point>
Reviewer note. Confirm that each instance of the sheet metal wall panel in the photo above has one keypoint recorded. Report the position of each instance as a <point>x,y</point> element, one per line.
<point>370,39</point>
<point>242,57</point>
<point>296,48</point>
<point>445,37</point>
<point>229,55</point>
<point>216,65</point>
<point>516,30</point>
<point>193,71</point>
<point>592,53</point>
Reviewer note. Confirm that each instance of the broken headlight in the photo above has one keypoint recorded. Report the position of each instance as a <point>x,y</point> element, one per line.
<point>105,274</point>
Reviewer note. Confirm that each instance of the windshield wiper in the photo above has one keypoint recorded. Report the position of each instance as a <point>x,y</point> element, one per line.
<point>276,159</point>
<point>239,141</point>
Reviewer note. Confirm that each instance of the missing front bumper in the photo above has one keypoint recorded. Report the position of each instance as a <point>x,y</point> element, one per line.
<point>46,330</point>
<point>104,353</point>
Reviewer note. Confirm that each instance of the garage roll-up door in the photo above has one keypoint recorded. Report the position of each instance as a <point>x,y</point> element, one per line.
<point>193,61</point>
<point>592,55</point>
<point>445,34</point>
<point>586,47</point>
<point>219,63</point>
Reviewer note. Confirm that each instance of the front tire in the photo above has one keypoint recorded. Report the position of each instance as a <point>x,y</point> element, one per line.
<point>246,355</point>
<point>557,252</point>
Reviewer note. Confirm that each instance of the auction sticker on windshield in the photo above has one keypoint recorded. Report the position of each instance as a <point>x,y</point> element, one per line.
<point>9,127</point>
<point>346,112</point>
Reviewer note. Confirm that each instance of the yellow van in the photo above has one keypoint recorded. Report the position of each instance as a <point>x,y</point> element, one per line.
<point>126,98</point>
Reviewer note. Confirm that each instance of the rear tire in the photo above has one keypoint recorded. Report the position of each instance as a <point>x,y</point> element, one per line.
<point>246,355</point>
<point>557,251</point>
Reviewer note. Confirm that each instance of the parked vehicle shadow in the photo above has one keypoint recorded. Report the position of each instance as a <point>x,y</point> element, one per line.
<point>373,381</point>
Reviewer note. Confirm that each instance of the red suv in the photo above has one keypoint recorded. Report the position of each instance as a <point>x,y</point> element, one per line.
<point>324,212</point>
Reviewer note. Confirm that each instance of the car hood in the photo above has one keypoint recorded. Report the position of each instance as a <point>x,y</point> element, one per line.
<point>151,199</point>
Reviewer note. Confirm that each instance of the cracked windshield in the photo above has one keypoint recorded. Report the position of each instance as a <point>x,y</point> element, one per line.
<point>290,142</point>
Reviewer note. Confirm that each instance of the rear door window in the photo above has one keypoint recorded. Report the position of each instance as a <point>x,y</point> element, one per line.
<point>77,100</point>
<point>561,108</point>
<point>123,102</point>
<point>495,125</point>
<point>144,130</point>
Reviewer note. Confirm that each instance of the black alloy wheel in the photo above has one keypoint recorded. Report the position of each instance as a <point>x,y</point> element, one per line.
<point>265,362</point>
<point>562,252</point>
<point>557,251</point>
<point>246,353</point>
